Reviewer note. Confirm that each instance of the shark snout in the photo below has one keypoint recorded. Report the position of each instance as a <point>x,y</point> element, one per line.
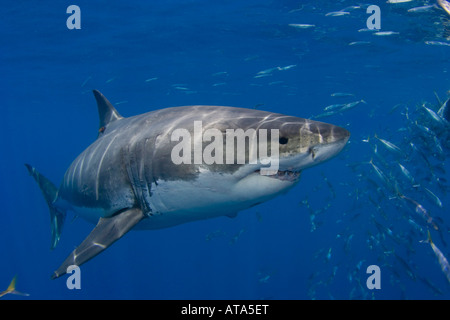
<point>340,134</point>
<point>331,143</point>
<point>314,143</point>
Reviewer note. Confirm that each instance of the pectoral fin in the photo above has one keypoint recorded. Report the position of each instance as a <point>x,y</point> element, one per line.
<point>107,231</point>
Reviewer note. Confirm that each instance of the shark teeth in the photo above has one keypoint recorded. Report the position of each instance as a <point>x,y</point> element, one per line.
<point>284,175</point>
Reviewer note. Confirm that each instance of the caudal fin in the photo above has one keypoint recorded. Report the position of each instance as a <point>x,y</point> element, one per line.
<point>12,285</point>
<point>50,192</point>
<point>12,289</point>
<point>429,240</point>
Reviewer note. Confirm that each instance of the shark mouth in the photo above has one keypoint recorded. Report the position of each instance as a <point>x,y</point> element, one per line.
<point>284,175</point>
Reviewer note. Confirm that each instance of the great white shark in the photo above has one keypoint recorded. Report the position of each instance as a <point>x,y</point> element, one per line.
<point>126,178</point>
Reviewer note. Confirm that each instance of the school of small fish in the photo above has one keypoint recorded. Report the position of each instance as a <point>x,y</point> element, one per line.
<point>403,173</point>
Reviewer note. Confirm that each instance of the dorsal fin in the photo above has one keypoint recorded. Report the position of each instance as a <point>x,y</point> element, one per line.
<point>106,111</point>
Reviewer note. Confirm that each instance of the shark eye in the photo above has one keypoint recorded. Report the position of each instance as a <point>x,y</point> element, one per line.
<point>283,140</point>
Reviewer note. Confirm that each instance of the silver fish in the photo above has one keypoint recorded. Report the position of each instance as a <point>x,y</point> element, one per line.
<point>433,115</point>
<point>434,197</point>
<point>443,262</point>
<point>389,145</point>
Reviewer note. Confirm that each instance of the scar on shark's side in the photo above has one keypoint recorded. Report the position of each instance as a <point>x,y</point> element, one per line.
<point>127,177</point>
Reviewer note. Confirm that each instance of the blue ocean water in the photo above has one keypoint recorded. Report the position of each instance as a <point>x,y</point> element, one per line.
<point>290,57</point>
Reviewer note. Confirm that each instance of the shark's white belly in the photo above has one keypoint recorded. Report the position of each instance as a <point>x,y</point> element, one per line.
<point>211,195</point>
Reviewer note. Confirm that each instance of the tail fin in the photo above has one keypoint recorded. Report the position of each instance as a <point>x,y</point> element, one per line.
<point>12,289</point>
<point>12,285</point>
<point>50,192</point>
<point>429,240</point>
